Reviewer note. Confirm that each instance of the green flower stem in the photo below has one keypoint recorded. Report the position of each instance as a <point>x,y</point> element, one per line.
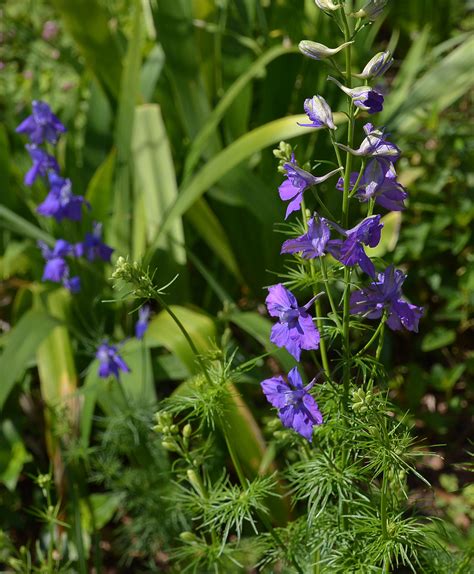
<point>263,517</point>
<point>359,177</point>
<point>372,339</point>
<point>336,149</point>
<point>378,352</point>
<point>186,335</point>
<point>324,273</point>
<point>383,506</point>
<point>370,208</point>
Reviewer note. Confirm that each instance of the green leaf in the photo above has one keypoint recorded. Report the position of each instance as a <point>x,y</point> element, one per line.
<point>13,455</point>
<point>120,230</point>
<point>259,328</point>
<point>437,338</point>
<point>256,69</point>
<point>103,505</point>
<point>99,190</point>
<point>20,348</point>
<point>233,155</point>
<point>16,223</point>
<point>88,23</point>
<point>389,237</point>
<point>155,178</point>
<point>163,331</point>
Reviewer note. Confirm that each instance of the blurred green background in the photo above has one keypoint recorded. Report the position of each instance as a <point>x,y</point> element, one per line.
<point>173,108</point>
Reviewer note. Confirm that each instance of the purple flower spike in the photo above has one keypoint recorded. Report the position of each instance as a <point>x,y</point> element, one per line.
<point>379,182</point>
<point>43,162</point>
<point>351,251</point>
<point>363,97</point>
<point>374,145</point>
<point>298,180</point>
<point>297,409</point>
<point>110,362</point>
<point>42,125</point>
<point>93,247</point>
<point>142,324</point>
<point>295,330</point>
<point>385,294</point>
<point>313,243</point>
<point>319,112</point>
<point>60,202</point>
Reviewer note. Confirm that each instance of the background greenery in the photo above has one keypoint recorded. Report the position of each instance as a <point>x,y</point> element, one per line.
<point>173,108</point>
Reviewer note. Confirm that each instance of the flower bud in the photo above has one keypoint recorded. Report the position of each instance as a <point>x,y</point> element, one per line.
<point>376,66</point>
<point>319,51</point>
<point>187,430</point>
<point>326,5</point>
<point>188,537</point>
<point>171,446</point>
<point>371,10</point>
<point>174,429</point>
<point>195,481</point>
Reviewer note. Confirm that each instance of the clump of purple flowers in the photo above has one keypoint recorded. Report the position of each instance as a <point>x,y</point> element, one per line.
<point>42,128</point>
<point>110,361</point>
<point>374,185</point>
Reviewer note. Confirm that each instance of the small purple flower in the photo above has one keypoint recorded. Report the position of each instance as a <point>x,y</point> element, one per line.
<point>319,112</point>
<point>60,202</point>
<point>295,330</point>
<point>142,324</point>
<point>379,182</point>
<point>42,125</point>
<point>363,97</point>
<point>93,247</point>
<point>374,145</point>
<point>313,243</point>
<point>350,251</point>
<point>385,295</point>
<point>43,162</point>
<point>298,180</point>
<point>56,268</point>
<point>110,362</point>
<point>297,409</point>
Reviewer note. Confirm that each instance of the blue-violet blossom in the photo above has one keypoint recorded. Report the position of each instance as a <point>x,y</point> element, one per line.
<point>319,112</point>
<point>298,180</point>
<point>297,409</point>
<point>295,330</point>
<point>363,97</point>
<point>379,182</point>
<point>93,247</point>
<point>56,268</point>
<point>311,244</point>
<point>142,324</point>
<point>60,202</point>
<point>43,162</point>
<point>42,125</point>
<point>110,361</point>
<point>385,296</point>
<point>374,145</point>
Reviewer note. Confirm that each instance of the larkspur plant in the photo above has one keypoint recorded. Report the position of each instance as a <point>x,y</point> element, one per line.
<point>351,452</point>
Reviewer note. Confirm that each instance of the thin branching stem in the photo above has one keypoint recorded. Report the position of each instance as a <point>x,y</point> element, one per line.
<point>372,339</point>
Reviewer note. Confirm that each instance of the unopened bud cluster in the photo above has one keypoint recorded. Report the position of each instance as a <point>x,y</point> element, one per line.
<point>134,276</point>
<point>361,400</point>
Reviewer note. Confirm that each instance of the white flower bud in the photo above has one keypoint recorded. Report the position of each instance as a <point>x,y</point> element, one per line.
<point>371,10</point>
<point>326,5</point>
<point>319,51</point>
<point>376,66</point>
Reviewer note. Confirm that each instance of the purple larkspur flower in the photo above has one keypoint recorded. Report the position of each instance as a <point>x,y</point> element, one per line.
<point>385,295</point>
<point>43,162</point>
<point>350,251</point>
<point>379,182</point>
<point>56,268</point>
<point>93,247</point>
<point>311,244</point>
<point>42,125</point>
<point>142,324</point>
<point>319,112</point>
<point>295,330</point>
<point>60,202</point>
<point>374,144</point>
<point>110,361</point>
<point>297,409</point>
<point>363,97</point>
<point>298,180</point>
